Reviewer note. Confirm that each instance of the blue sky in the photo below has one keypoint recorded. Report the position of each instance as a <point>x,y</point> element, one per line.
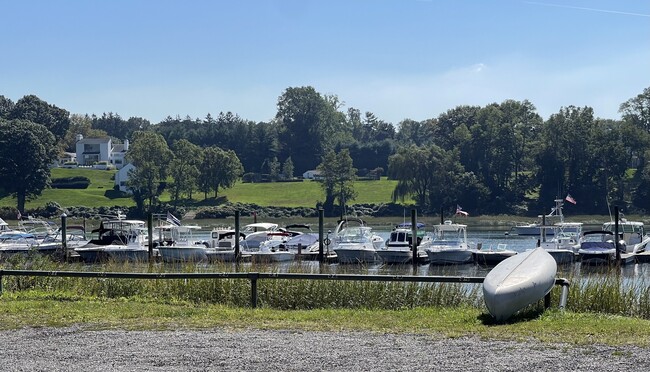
<point>396,58</point>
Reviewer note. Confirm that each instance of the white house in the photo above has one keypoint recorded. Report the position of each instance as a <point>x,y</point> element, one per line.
<point>122,175</point>
<point>311,174</point>
<point>118,154</point>
<point>95,150</point>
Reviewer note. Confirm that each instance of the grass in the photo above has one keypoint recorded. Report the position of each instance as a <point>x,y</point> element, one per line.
<point>290,194</point>
<point>605,310</point>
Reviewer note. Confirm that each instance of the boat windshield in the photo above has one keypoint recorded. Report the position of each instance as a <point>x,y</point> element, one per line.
<point>355,235</point>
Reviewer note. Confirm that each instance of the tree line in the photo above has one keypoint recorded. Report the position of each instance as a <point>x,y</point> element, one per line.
<point>499,158</point>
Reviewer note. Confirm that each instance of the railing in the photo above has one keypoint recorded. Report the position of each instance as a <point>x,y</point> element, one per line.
<point>255,276</point>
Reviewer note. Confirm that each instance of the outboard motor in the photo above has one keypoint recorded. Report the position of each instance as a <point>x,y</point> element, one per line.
<point>622,246</point>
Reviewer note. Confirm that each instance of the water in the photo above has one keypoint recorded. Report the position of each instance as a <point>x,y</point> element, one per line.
<point>487,238</point>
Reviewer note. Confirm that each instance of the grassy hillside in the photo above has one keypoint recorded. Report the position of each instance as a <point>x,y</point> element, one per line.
<point>290,194</point>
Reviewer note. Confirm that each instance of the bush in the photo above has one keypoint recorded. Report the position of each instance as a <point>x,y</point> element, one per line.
<point>77,182</point>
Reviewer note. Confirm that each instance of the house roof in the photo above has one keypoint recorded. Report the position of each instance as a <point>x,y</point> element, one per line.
<point>118,148</point>
<point>94,140</point>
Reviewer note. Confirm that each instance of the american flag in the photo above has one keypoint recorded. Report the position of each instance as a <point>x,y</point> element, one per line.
<point>173,220</point>
<point>570,199</point>
<point>459,210</point>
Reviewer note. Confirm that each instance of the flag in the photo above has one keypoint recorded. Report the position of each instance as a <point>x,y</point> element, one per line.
<point>19,216</point>
<point>459,210</point>
<point>570,199</point>
<point>173,220</point>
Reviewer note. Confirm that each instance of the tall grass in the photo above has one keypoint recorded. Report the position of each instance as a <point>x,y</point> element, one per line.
<point>605,294</point>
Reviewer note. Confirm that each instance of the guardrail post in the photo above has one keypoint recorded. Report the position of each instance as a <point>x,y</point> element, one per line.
<point>253,277</point>
<point>564,295</point>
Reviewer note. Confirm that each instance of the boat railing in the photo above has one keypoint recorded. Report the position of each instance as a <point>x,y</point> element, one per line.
<point>253,277</point>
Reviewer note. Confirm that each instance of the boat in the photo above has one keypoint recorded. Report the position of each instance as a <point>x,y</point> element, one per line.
<point>4,228</point>
<point>398,249</point>
<point>37,227</point>
<point>564,243</point>
<point>354,242</point>
<point>12,243</point>
<point>449,245</point>
<point>117,239</point>
<point>75,238</point>
<point>182,246</point>
<point>518,281</point>
<point>222,245</point>
<point>597,248</point>
<point>492,256</point>
<point>534,228</point>
<point>632,232</point>
<point>256,233</point>
<point>272,250</point>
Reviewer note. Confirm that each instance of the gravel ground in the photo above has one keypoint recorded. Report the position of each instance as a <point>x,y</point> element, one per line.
<point>76,349</point>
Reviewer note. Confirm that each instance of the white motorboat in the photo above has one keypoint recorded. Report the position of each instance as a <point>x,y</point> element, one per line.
<point>564,243</point>
<point>272,251</point>
<point>492,256</point>
<point>222,245</point>
<point>597,248</point>
<point>354,242</point>
<point>632,232</point>
<point>256,233</point>
<point>183,247</point>
<point>118,239</point>
<point>518,281</point>
<point>535,228</point>
<point>12,243</point>
<point>449,245</point>
<point>399,247</point>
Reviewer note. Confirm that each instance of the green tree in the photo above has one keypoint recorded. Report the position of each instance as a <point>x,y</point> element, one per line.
<point>80,124</point>
<point>274,169</point>
<point>287,169</point>
<point>338,177</point>
<point>219,169</point>
<point>151,156</point>
<point>184,168</point>
<point>34,109</point>
<point>637,110</point>
<point>27,150</point>
<point>308,125</point>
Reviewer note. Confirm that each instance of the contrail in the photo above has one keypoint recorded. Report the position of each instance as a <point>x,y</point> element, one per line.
<point>590,9</point>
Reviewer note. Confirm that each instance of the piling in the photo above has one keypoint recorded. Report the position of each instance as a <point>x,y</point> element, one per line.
<point>150,237</point>
<point>237,252</point>
<point>321,215</point>
<point>616,242</point>
<point>414,238</point>
<point>64,236</point>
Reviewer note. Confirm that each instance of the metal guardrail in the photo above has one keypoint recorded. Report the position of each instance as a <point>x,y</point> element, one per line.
<point>255,276</point>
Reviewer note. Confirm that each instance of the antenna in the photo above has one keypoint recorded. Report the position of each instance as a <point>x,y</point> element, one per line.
<point>609,209</point>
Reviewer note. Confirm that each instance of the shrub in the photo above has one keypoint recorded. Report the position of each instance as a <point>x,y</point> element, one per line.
<point>77,182</point>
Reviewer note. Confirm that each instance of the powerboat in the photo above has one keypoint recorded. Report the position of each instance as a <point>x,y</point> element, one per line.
<point>565,241</point>
<point>182,246</point>
<point>597,248</point>
<point>492,256</point>
<point>449,245</point>
<point>117,240</point>
<point>535,228</point>
<point>354,242</point>
<point>399,247</point>
<point>632,232</point>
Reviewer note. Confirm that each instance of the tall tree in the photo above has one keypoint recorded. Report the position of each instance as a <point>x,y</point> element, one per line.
<point>308,125</point>
<point>184,168</point>
<point>151,156</point>
<point>338,177</point>
<point>27,150</point>
<point>219,169</point>
<point>34,109</point>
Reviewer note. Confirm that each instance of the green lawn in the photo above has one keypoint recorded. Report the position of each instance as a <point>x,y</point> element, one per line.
<point>288,194</point>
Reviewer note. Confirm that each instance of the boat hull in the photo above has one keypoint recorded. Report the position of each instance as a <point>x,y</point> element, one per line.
<point>282,256</point>
<point>393,256</point>
<point>490,258</point>
<point>562,256</point>
<point>355,256</point>
<point>183,254</point>
<point>450,256</point>
<point>518,281</point>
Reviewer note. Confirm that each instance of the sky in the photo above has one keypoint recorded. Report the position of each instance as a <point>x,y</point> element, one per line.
<point>399,59</point>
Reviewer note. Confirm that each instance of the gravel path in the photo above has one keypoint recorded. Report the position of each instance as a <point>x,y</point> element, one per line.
<point>75,349</point>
